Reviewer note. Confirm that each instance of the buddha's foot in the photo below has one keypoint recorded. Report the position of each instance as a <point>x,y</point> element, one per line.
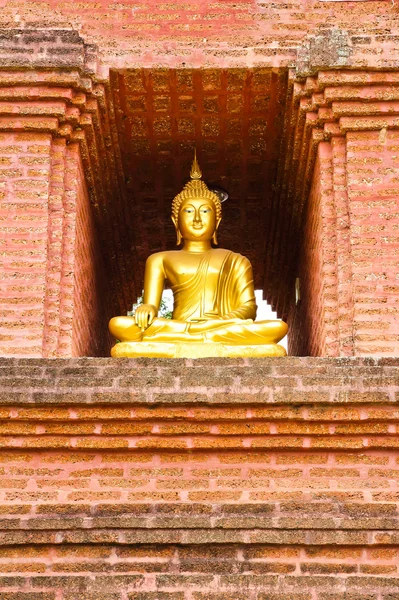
<point>195,350</point>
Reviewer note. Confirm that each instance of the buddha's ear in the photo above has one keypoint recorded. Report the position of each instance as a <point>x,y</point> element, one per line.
<point>214,237</point>
<point>178,234</point>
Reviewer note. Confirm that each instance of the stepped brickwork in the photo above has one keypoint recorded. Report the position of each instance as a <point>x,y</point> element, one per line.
<point>180,480</point>
<point>342,132</point>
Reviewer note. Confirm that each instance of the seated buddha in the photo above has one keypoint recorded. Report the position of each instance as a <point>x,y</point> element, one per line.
<point>214,299</point>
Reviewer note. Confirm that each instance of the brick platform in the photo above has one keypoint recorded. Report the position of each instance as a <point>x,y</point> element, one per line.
<point>199,480</point>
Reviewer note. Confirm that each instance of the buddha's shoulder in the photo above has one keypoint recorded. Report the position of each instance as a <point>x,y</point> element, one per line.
<point>165,256</point>
<point>232,255</point>
<point>157,258</point>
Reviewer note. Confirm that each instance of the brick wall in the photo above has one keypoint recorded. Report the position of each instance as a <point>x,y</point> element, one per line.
<point>373,188</point>
<point>207,33</point>
<point>148,479</point>
<point>348,240</point>
<point>24,197</point>
<point>46,230</point>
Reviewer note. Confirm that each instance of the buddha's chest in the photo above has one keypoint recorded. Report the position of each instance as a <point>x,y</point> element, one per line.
<point>181,269</point>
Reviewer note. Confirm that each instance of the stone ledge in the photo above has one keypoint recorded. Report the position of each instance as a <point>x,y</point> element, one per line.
<point>201,536</point>
<point>168,406</point>
<point>204,381</point>
<point>247,518</point>
<point>307,362</point>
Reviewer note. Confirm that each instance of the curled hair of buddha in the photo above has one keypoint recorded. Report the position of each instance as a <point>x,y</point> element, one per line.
<point>196,188</point>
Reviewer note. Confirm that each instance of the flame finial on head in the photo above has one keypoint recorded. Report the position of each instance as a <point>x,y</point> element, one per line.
<point>195,172</point>
<point>194,189</point>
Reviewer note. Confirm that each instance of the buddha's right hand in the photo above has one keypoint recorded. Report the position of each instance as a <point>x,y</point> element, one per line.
<point>144,315</point>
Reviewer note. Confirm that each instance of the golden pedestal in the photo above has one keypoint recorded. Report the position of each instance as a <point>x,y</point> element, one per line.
<point>195,350</point>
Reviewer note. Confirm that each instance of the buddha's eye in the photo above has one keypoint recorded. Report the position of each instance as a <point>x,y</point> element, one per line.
<point>188,210</point>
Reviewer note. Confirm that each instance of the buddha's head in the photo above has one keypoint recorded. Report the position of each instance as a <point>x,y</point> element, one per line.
<point>196,211</point>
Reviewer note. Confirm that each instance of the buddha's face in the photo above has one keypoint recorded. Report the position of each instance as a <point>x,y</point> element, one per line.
<point>197,220</point>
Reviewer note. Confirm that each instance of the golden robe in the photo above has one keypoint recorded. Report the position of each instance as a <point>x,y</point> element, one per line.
<point>233,289</point>
<point>212,306</point>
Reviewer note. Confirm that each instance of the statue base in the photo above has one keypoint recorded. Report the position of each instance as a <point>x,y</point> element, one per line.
<point>194,350</point>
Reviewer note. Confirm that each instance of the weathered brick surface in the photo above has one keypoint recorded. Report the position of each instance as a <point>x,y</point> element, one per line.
<point>44,48</point>
<point>24,197</point>
<point>273,478</point>
<point>374,217</point>
<point>207,33</point>
<point>53,287</point>
<point>46,230</point>
<point>348,261</point>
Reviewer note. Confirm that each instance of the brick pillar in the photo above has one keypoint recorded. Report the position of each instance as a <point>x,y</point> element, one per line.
<point>25,192</point>
<point>75,286</point>
<point>348,261</point>
<point>53,291</point>
<point>373,191</point>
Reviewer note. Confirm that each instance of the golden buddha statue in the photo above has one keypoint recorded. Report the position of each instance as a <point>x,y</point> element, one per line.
<point>214,301</point>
